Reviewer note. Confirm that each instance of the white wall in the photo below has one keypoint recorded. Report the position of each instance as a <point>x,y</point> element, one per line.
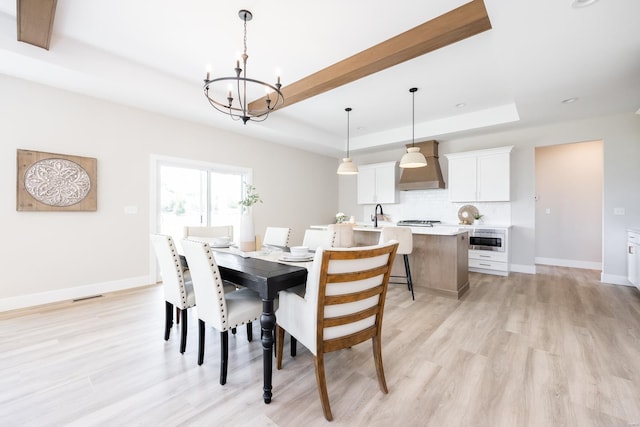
<point>621,138</point>
<point>569,204</point>
<point>49,256</point>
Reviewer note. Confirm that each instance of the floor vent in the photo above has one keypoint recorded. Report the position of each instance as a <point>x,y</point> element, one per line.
<point>86,298</point>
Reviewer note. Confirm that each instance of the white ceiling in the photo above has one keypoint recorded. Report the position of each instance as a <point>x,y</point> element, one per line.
<point>152,54</point>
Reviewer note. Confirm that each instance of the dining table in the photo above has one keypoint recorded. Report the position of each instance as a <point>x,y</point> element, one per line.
<point>262,272</point>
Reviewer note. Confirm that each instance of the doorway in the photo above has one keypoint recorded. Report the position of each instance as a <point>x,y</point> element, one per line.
<point>568,217</point>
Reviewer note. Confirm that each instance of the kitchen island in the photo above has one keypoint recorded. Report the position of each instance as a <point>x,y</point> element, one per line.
<point>439,261</point>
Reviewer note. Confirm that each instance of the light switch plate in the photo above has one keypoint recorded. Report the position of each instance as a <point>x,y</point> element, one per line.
<point>130,210</point>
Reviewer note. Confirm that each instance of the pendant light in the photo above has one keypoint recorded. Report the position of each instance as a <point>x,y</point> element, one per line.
<point>413,158</point>
<point>347,167</point>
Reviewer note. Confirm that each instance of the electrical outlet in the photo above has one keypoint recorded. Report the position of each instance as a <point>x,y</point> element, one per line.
<point>547,211</point>
<point>618,211</point>
<point>130,210</point>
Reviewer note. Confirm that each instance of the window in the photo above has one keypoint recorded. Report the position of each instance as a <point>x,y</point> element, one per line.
<point>196,194</point>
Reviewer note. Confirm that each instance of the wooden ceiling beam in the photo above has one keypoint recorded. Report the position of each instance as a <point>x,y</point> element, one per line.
<point>458,24</point>
<point>35,21</point>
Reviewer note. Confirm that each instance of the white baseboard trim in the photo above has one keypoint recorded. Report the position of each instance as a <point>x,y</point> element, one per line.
<point>521,268</point>
<point>615,279</point>
<point>66,294</point>
<point>487,271</point>
<point>589,265</point>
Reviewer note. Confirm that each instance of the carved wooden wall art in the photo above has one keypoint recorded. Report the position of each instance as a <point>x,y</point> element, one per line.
<point>56,182</point>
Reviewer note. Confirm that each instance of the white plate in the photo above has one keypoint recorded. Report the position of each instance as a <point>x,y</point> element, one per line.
<point>291,258</point>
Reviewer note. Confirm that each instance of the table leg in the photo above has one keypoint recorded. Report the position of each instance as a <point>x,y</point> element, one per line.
<point>268,323</point>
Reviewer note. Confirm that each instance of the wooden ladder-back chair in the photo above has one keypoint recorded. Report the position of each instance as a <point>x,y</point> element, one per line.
<point>342,306</point>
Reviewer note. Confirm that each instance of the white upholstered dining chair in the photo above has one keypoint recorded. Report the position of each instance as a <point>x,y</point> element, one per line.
<point>404,237</point>
<point>344,237</point>
<point>224,311</point>
<point>178,290</point>
<point>193,232</point>
<point>315,238</point>
<point>342,306</point>
<point>277,236</point>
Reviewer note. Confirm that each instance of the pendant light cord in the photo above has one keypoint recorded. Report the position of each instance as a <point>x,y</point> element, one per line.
<point>413,122</point>
<point>348,110</point>
<point>413,91</point>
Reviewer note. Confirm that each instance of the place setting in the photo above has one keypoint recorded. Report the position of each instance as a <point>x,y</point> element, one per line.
<point>221,242</point>
<point>297,254</point>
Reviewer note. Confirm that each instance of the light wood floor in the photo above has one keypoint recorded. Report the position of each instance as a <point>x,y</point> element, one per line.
<point>553,349</point>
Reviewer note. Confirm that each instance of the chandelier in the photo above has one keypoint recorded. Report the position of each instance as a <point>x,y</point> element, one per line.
<point>238,108</point>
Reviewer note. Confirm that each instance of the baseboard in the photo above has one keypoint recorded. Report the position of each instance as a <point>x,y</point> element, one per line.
<point>66,294</point>
<point>615,279</point>
<point>588,265</point>
<point>521,268</point>
<point>487,271</point>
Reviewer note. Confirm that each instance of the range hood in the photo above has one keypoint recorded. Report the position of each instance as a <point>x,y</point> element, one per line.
<point>427,177</point>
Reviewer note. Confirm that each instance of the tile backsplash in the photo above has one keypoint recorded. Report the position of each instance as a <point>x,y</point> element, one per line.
<point>435,205</point>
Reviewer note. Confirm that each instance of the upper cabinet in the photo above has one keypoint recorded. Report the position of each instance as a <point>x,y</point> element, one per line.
<point>480,176</point>
<point>377,183</point>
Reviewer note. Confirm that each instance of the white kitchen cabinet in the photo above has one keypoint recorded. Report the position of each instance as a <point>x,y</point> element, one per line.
<point>377,183</point>
<point>480,176</point>
<point>462,178</point>
<point>489,262</point>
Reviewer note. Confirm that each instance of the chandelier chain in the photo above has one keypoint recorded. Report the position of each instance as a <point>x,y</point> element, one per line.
<point>245,38</point>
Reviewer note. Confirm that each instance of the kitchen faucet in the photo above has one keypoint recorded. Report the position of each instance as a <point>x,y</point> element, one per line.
<point>375,215</point>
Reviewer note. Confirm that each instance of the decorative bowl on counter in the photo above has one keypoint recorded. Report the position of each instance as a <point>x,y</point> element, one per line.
<point>467,214</point>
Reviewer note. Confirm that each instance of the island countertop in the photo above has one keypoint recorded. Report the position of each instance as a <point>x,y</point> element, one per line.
<point>434,231</point>
<point>439,260</point>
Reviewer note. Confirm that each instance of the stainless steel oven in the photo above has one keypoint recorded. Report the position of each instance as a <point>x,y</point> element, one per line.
<point>487,239</point>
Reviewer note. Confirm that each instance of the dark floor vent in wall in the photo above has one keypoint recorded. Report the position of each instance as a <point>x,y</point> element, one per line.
<point>86,298</point>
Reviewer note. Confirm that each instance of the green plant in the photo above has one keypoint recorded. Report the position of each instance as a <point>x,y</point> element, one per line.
<point>251,197</point>
<point>477,216</point>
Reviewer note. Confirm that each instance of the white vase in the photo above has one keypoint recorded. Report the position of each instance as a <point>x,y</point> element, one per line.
<point>247,238</point>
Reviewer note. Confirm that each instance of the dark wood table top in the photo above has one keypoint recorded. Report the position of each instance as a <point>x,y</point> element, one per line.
<point>263,276</point>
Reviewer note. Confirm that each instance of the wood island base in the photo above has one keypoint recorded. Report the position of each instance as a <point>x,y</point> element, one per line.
<point>439,263</point>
